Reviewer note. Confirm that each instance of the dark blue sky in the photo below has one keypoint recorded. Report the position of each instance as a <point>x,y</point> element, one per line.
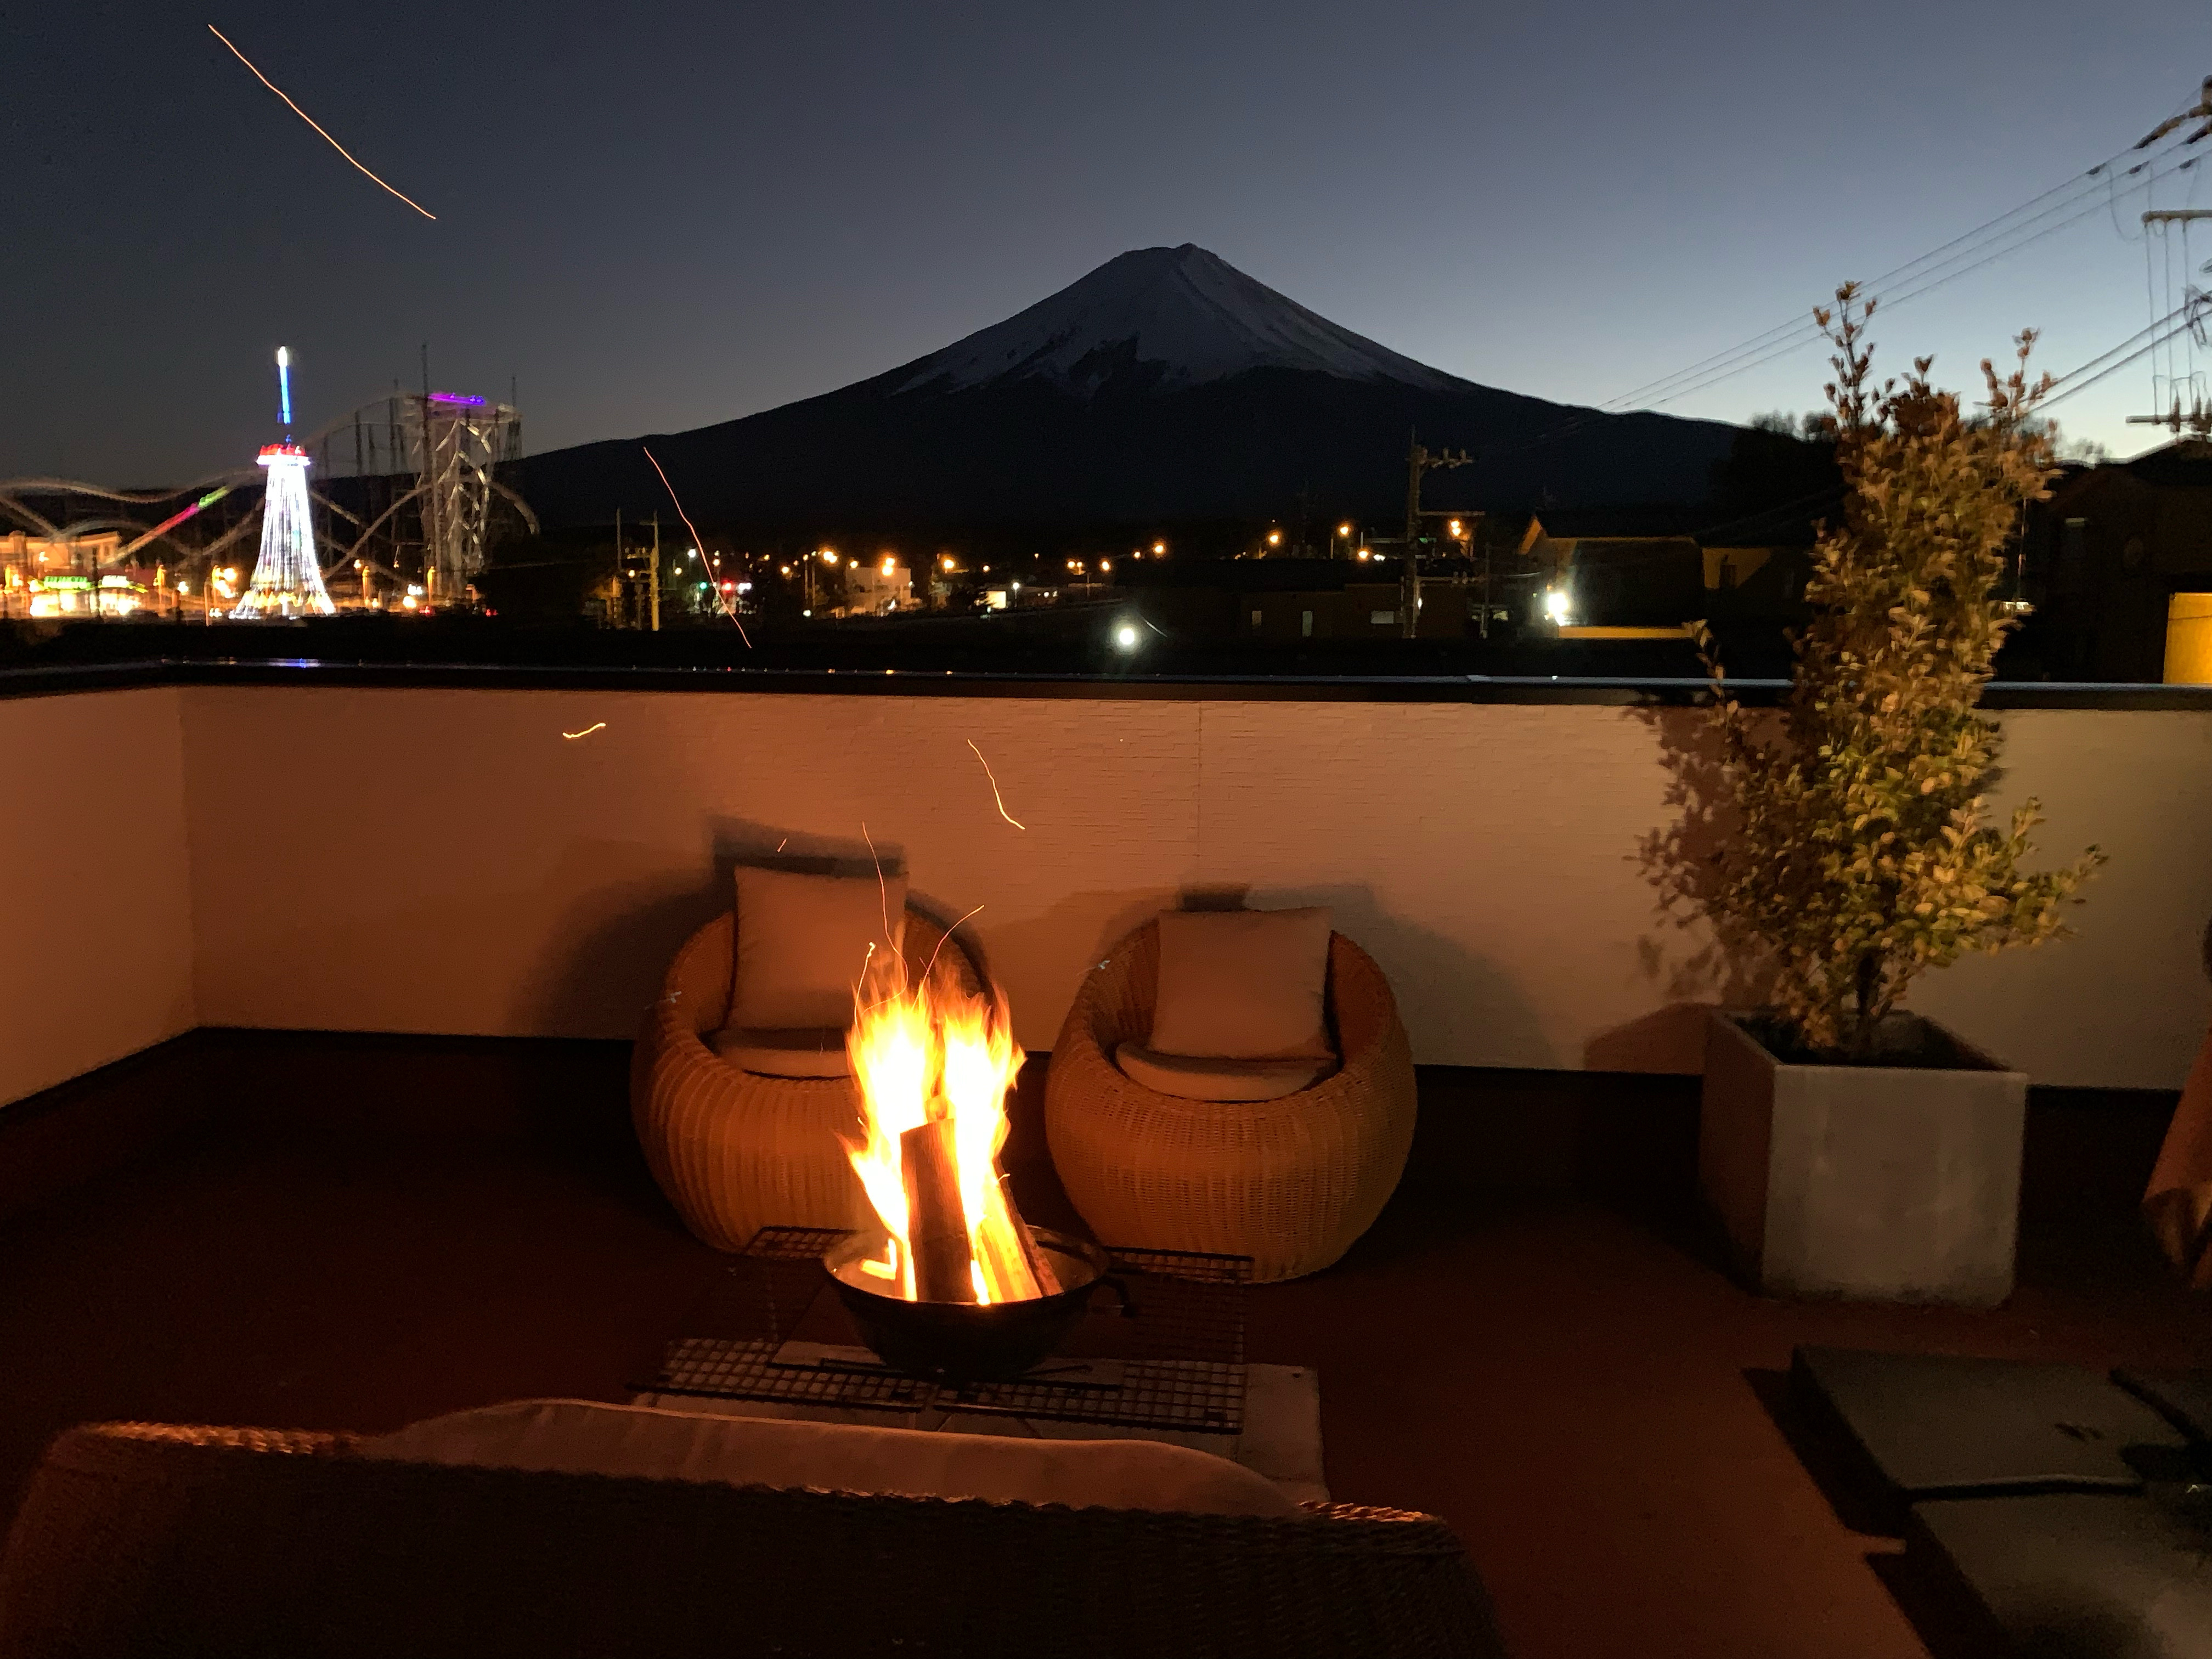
<point>657,216</point>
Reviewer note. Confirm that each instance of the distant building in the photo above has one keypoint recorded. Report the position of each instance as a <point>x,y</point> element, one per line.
<point>2116,567</point>
<point>877,589</point>
<point>62,576</point>
<point>1289,599</point>
<point>1641,572</point>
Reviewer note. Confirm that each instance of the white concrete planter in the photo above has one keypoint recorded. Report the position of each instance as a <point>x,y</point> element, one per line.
<point>1877,1182</point>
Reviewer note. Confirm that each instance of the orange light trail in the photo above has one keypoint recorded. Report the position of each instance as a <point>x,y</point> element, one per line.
<point>311,122</point>
<point>728,609</point>
<point>996,795</point>
<point>596,725</point>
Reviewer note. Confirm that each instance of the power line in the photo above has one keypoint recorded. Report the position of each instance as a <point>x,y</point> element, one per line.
<point>2073,185</point>
<point>1749,357</point>
<point>1767,348</point>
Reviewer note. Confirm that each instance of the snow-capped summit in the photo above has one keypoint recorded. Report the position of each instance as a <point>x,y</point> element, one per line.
<point>1177,317</point>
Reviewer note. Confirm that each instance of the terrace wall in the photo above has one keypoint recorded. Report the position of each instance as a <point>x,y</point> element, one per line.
<point>445,859</point>
<point>95,883</point>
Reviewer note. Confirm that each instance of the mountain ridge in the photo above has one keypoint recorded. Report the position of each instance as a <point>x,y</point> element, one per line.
<point>1165,385</point>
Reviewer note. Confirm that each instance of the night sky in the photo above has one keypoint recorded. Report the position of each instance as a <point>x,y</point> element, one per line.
<point>658,216</point>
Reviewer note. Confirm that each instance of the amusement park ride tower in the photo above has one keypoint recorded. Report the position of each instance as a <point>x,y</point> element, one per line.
<point>461,440</point>
<point>286,580</point>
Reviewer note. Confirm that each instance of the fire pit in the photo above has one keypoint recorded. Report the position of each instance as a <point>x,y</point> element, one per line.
<point>969,1341</point>
<point>956,1284</point>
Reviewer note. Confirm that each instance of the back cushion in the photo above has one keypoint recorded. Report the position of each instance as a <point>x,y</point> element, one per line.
<point>1243,984</point>
<point>804,942</point>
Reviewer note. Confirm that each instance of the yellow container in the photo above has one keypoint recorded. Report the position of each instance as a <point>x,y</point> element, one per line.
<point>2189,640</point>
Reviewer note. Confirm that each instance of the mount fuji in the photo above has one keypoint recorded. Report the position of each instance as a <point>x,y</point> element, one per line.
<point>1166,385</point>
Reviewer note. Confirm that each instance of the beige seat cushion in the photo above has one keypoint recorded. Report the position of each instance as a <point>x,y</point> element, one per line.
<point>1243,984</point>
<point>804,942</point>
<point>809,1051</point>
<point>1198,1078</point>
<point>585,1438</point>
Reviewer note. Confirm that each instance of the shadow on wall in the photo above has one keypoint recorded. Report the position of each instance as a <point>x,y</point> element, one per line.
<point>1041,958</point>
<point>1451,999</point>
<point>615,939</point>
<point>1687,969</point>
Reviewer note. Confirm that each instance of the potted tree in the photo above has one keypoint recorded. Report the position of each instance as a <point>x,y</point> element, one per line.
<point>1850,1148</point>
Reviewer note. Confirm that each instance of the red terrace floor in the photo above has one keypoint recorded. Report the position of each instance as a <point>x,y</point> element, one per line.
<point>333,1232</point>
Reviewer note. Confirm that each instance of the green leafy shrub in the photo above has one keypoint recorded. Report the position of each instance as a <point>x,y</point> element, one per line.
<point>1855,850</point>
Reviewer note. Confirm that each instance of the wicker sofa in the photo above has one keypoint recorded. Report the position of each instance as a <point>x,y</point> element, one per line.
<point>1290,1181</point>
<point>140,1539</point>
<point>735,1151</point>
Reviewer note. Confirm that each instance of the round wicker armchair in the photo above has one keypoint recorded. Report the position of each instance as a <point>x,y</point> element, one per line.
<point>735,1151</point>
<point>1289,1182</point>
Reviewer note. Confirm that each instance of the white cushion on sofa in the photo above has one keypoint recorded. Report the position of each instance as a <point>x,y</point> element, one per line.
<point>808,1052</point>
<point>1243,984</point>
<point>588,1438</point>
<point>803,941</point>
<point>1201,1079</point>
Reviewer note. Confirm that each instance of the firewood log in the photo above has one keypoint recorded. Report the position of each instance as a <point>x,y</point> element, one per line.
<point>936,1225</point>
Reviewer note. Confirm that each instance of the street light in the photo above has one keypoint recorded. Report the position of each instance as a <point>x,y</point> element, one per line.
<point>1159,550</point>
<point>1274,538</point>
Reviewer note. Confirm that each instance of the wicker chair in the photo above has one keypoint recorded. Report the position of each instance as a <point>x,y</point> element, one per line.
<point>735,1151</point>
<point>142,1538</point>
<point>1291,1183</point>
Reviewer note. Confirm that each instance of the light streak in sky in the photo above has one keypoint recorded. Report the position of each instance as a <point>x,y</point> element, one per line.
<point>311,121</point>
<point>996,795</point>
<point>728,609</point>
<point>596,725</point>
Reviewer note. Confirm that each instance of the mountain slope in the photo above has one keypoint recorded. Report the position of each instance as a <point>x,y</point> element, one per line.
<point>1176,317</point>
<point>1165,384</point>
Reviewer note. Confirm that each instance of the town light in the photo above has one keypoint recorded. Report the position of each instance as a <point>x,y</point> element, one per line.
<point>1344,530</point>
<point>1556,606</point>
<point>1456,530</point>
<point>948,562</point>
<point>888,567</point>
<point>1105,564</point>
<point>1158,548</point>
<point>1364,553</point>
<point>1274,538</point>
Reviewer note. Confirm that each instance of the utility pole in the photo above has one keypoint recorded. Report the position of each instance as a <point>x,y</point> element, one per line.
<point>1419,462</point>
<point>656,570</point>
<point>2199,420</point>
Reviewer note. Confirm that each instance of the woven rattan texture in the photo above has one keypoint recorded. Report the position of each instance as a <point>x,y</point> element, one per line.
<point>735,1151</point>
<point>1289,1182</point>
<point>207,1542</point>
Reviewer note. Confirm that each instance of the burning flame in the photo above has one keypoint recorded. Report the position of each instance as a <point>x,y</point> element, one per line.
<point>922,1055</point>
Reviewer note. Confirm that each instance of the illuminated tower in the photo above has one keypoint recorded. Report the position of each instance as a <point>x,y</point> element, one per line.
<point>286,580</point>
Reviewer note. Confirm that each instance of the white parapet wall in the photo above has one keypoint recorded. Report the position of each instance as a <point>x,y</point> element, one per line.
<point>449,860</point>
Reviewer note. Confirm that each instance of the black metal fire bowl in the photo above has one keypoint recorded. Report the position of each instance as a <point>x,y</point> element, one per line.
<point>962,1341</point>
